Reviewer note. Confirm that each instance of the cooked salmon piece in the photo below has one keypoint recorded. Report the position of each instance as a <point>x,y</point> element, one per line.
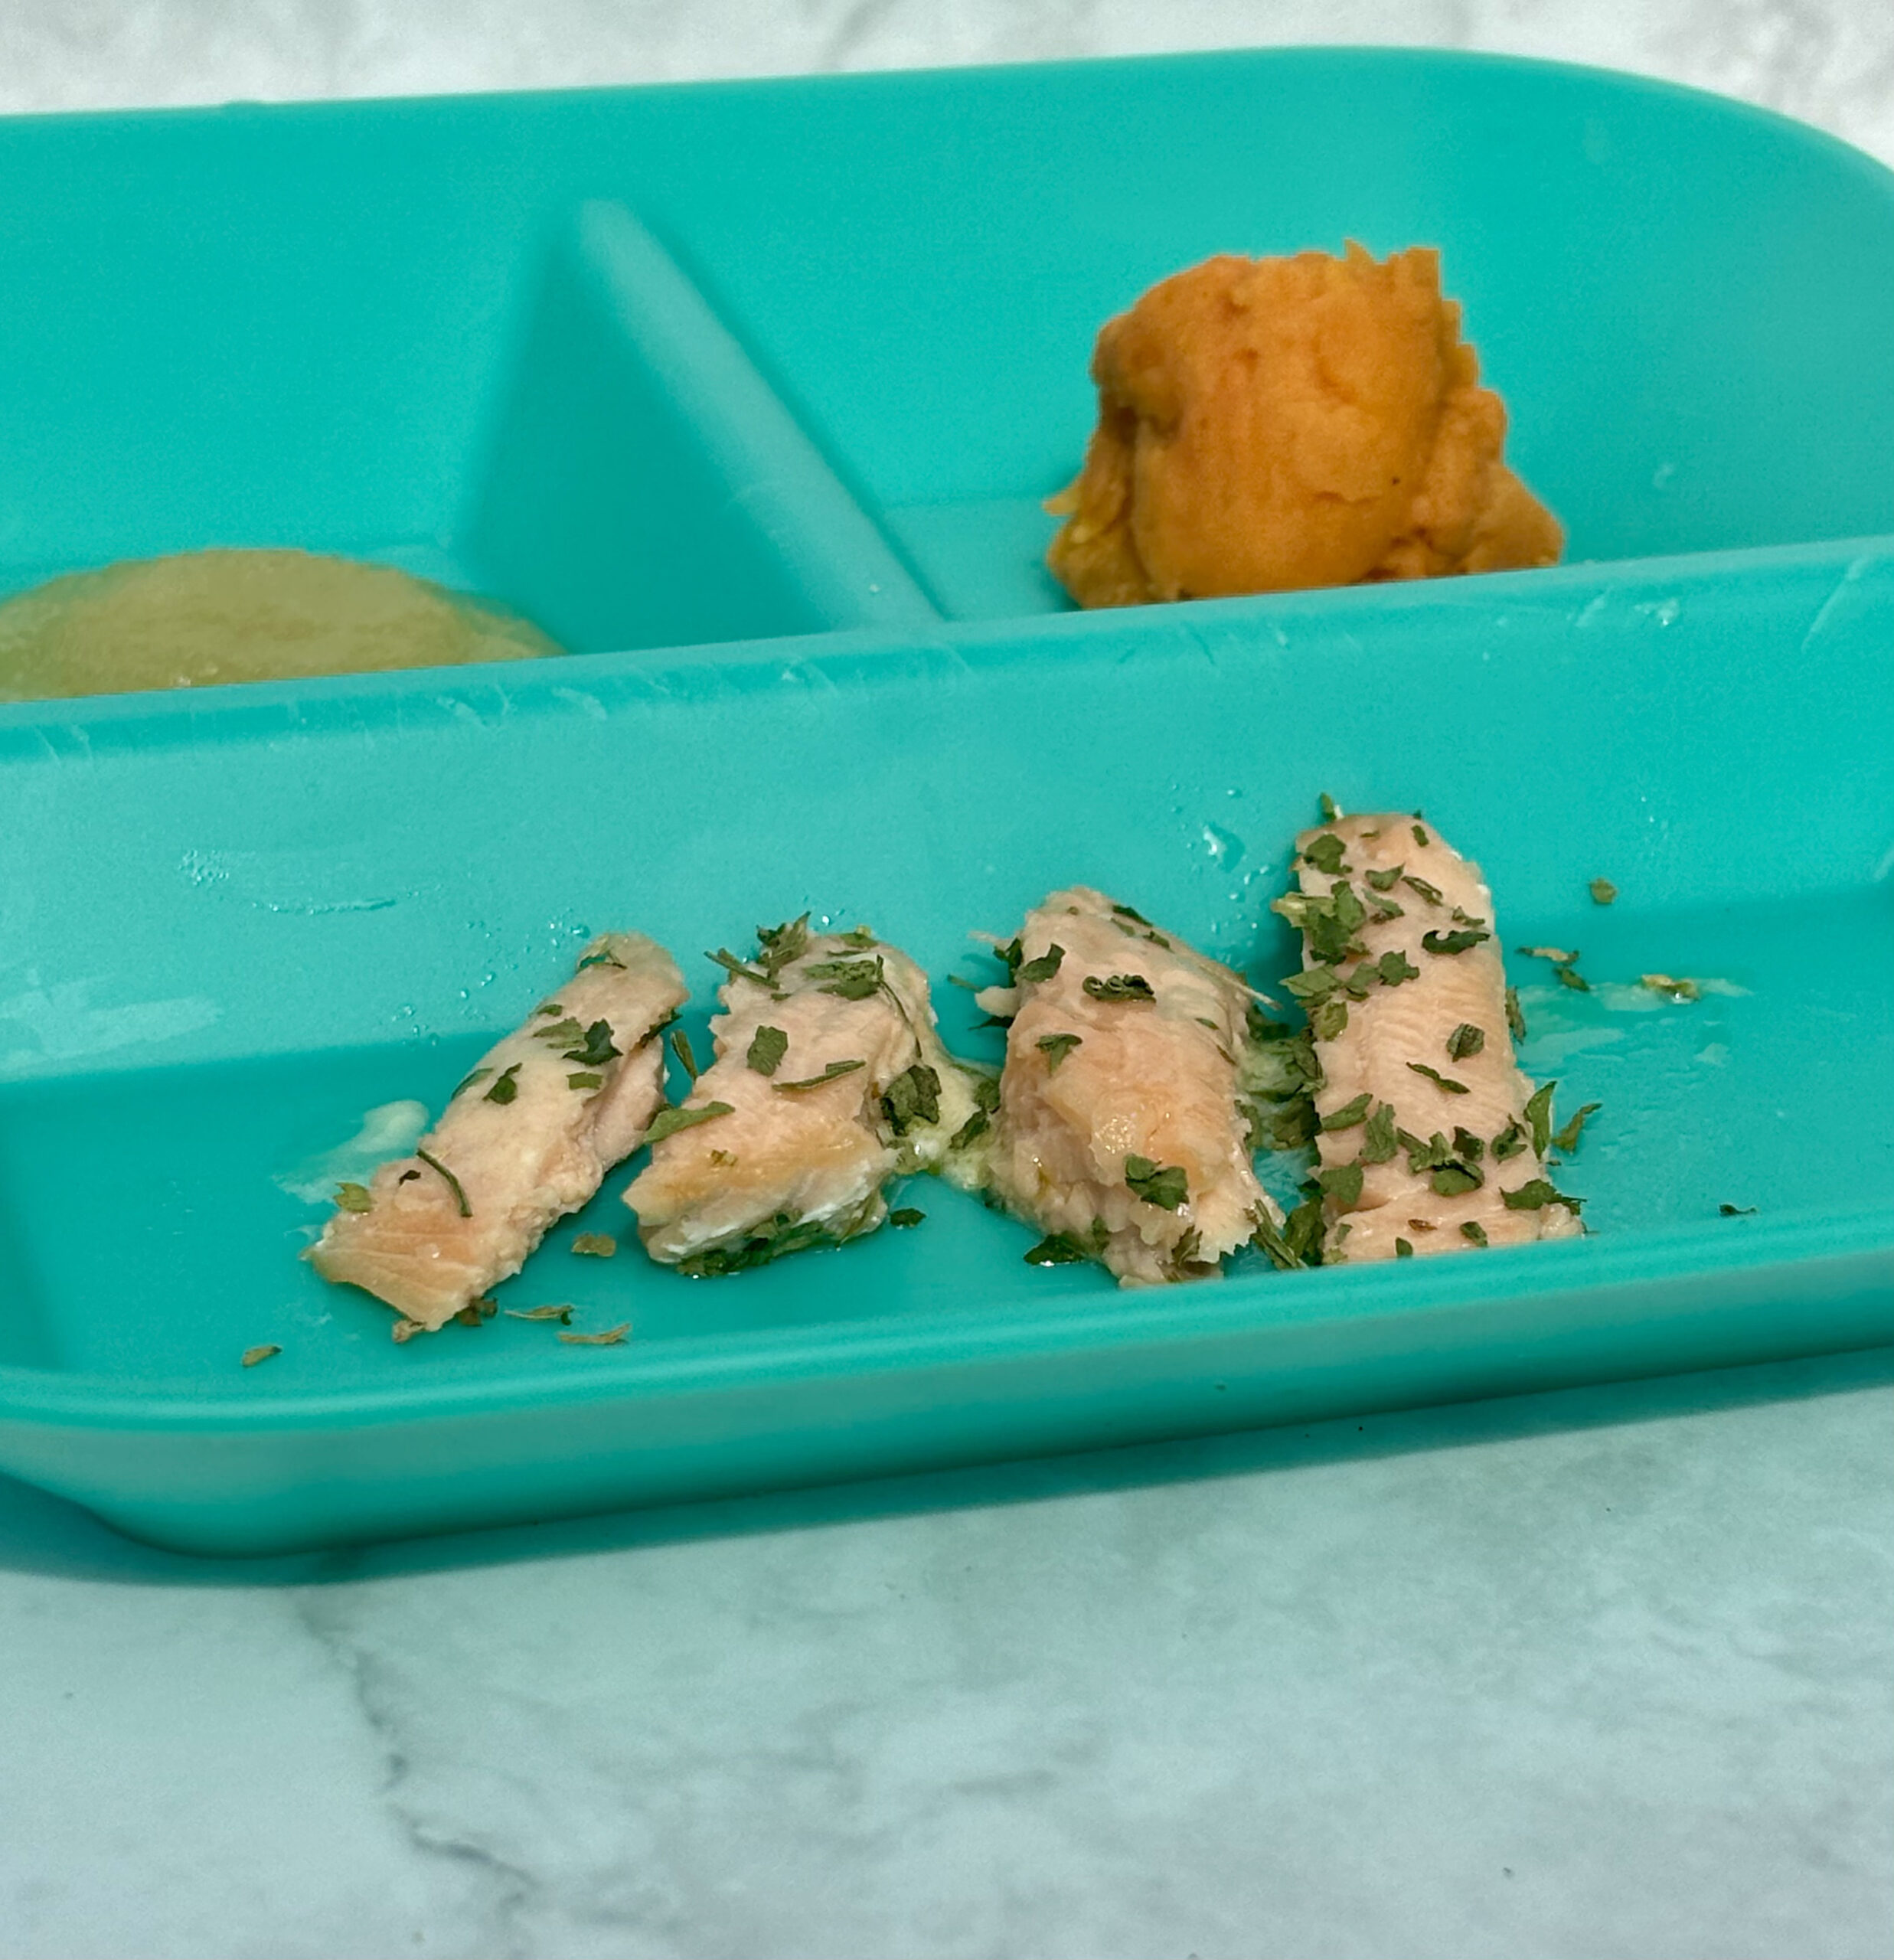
<point>1429,1126</point>
<point>828,1080</point>
<point>527,1137</point>
<point>1120,1132</point>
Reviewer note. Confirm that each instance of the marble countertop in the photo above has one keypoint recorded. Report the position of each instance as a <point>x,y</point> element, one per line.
<point>1596,1674</point>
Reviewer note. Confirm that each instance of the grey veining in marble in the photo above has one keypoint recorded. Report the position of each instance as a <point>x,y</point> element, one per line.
<point>1584,1677</point>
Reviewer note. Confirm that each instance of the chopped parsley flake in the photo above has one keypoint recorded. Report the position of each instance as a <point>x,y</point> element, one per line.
<point>741,969</point>
<point>1402,1249</point>
<point>595,1244</point>
<point>268,1349</point>
<point>1509,1142</point>
<point>1167,1188</point>
<point>829,1074</point>
<point>1433,1075</point>
<point>1465,1040</point>
<point>859,936</point>
<point>1070,1248</point>
<point>1455,1180</point>
<point>1043,968</point>
<point>1393,967</point>
<point>599,959</point>
<point>612,1336</point>
<point>913,1097</point>
<point>1669,985</point>
<point>681,1047</point>
<point>585,1079</point>
<point>1330,809</point>
<point>1421,837</point>
<point>1422,889</point>
<point>1351,1113</point>
<point>1119,987</point>
<point>1558,956</point>
<point>1326,854</point>
<point>1602,890</point>
<point>1535,1195</point>
<point>782,1236</point>
<point>905,1218</point>
<point>1341,1185</point>
<point>561,1314</point>
<point>1567,1139</point>
<point>1327,1018</point>
<point>1735,1211</point>
<point>1471,1147</point>
<point>781,944</point>
<point>1379,1139</point>
<point>1472,1228</point>
<point>1056,1047</point>
<point>353,1197</point>
<point>596,1048</point>
<point>849,979</point>
<point>1385,881</point>
<point>1538,1116</point>
<point>453,1182</point>
<point>1515,1015</point>
<point>505,1086</point>
<point>1569,976</point>
<point>668,1123</point>
<point>767,1047</point>
<point>1459,940</point>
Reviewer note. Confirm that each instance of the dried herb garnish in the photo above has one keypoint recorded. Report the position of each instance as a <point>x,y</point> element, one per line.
<point>740,969</point>
<point>1056,1047</point>
<point>467,1081</point>
<point>1341,1185</point>
<point>913,1097</point>
<point>1735,1211</point>
<point>668,1123</point>
<point>1286,1124</point>
<point>767,1047</point>
<point>1569,976</point>
<point>1385,909</point>
<point>1515,1015</point>
<point>1465,1040</point>
<point>1131,913</point>
<point>1327,1018</point>
<point>1421,837</point>
<point>1535,1195</point>
<point>1330,809</point>
<point>1470,1148</point>
<point>726,1158</point>
<point>1070,1248</point>
<point>599,959</point>
<point>1471,1228</point>
<point>505,1086</point>
<point>264,1352</point>
<point>905,1218</point>
<point>595,1244</point>
<point>612,1336</point>
<point>1119,987</point>
<point>1326,853</point>
<point>585,1079</point>
<point>561,1314</point>
<point>1558,956</point>
<point>785,1234</point>
<point>1602,890</point>
<point>353,1197</point>
<point>1431,894</point>
<point>829,1074</point>
<point>859,936</point>
<point>1393,967</point>
<point>681,1047</point>
<point>781,944</point>
<point>848,979</point>
<point>1385,881</point>
<point>1379,1139</point>
<point>1459,940</point>
<point>1043,968</point>
<point>1167,1187</point>
<point>1671,985</point>
<point>1567,1139</point>
<point>1455,1180</point>
<point>1402,1249</point>
<point>1351,1113</point>
<point>986,1100</point>
<point>1433,1075</point>
<point>477,1311</point>
<point>1538,1116</point>
<point>596,1048</point>
<point>1509,1142</point>
<point>452,1183</point>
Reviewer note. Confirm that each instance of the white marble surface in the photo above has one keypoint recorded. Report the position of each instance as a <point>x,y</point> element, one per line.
<point>1598,1674</point>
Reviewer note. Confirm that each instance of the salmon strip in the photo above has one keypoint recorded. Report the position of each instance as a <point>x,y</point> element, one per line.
<point>527,1137</point>
<point>1120,1132</point>
<point>828,1081</point>
<point>1434,1124</point>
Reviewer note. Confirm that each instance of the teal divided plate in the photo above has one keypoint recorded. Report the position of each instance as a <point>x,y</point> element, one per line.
<point>751,395</point>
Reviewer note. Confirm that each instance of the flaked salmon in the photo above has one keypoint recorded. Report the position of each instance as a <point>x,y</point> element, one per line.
<point>1432,1138</point>
<point>527,1137</point>
<point>1121,1130</point>
<point>828,1080</point>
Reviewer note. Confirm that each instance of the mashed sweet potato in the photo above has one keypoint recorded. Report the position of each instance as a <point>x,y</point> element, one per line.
<point>1270,424</point>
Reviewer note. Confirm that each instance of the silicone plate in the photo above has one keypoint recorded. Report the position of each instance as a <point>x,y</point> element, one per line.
<point>233,924</point>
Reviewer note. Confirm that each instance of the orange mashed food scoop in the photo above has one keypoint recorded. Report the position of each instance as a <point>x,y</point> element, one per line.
<point>1266,425</point>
